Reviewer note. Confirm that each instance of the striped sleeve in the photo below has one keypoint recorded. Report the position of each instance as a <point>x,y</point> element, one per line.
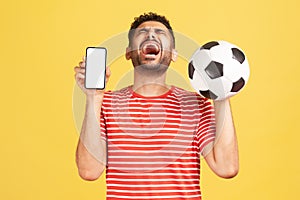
<point>206,128</point>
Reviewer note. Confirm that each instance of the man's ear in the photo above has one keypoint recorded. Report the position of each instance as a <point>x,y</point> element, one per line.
<point>174,55</point>
<point>128,53</point>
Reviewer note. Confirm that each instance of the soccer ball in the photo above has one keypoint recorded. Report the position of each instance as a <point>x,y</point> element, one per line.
<point>218,70</point>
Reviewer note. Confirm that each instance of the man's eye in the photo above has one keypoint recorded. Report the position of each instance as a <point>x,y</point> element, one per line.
<point>142,31</point>
<point>159,31</point>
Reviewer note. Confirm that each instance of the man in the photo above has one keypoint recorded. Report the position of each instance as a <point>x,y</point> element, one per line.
<point>149,136</point>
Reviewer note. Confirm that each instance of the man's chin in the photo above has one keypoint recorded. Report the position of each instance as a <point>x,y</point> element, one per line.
<point>153,66</point>
<point>149,66</point>
<point>151,70</point>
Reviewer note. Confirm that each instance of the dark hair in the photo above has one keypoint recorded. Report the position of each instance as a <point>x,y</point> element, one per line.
<point>150,16</point>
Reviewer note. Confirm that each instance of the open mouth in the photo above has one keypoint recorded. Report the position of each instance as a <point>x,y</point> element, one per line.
<point>150,49</point>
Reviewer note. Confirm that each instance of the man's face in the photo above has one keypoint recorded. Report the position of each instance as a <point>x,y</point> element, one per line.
<point>151,46</point>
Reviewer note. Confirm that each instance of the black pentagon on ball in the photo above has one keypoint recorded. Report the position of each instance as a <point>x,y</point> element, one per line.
<point>239,84</point>
<point>208,94</point>
<point>191,70</point>
<point>209,45</point>
<point>214,69</point>
<point>238,55</point>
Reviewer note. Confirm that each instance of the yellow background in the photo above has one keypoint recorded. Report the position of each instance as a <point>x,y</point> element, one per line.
<point>41,42</point>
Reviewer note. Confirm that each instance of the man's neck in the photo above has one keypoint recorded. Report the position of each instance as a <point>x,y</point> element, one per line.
<point>150,85</point>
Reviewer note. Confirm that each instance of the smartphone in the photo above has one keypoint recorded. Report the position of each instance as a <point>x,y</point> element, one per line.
<point>95,68</point>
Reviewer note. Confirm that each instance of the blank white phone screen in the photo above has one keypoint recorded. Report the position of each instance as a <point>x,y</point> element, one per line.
<point>95,68</point>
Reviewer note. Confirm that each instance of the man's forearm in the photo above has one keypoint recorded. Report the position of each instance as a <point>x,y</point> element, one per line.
<point>223,156</point>
<point>91,149</point>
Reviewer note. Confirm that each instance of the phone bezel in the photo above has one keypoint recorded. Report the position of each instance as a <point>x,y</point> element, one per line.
<point>86,50</point>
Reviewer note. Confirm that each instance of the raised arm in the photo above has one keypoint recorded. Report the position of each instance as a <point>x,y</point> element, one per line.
<point>91,149</point>
<point>222,154</point>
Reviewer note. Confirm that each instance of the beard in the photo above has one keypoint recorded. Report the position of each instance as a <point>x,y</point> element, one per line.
<point>152,69</point>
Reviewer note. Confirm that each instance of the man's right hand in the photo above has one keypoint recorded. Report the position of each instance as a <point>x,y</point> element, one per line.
<point>80,79</point>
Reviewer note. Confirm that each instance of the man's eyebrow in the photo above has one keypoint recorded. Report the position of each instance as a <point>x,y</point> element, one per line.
<point>159,29</point>
<point>144,28</point>
<point>155,28</point>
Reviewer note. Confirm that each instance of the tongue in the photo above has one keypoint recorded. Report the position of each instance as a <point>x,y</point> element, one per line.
<point>150,49</point>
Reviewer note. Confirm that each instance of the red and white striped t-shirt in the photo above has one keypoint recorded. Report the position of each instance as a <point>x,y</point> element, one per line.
<point>154,143</point>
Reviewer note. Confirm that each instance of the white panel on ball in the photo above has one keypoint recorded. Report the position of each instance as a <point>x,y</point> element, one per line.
<point>198,82</point>
<point>221,53</point>
<point>202,59</point>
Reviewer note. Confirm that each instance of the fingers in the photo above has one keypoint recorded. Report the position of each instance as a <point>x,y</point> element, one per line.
<point>82,64</point>
<point>79,76</point>
<point>108,72</point>
<point>79,70</point>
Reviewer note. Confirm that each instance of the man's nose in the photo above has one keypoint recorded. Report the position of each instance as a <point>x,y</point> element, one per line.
<point>151,34</point>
